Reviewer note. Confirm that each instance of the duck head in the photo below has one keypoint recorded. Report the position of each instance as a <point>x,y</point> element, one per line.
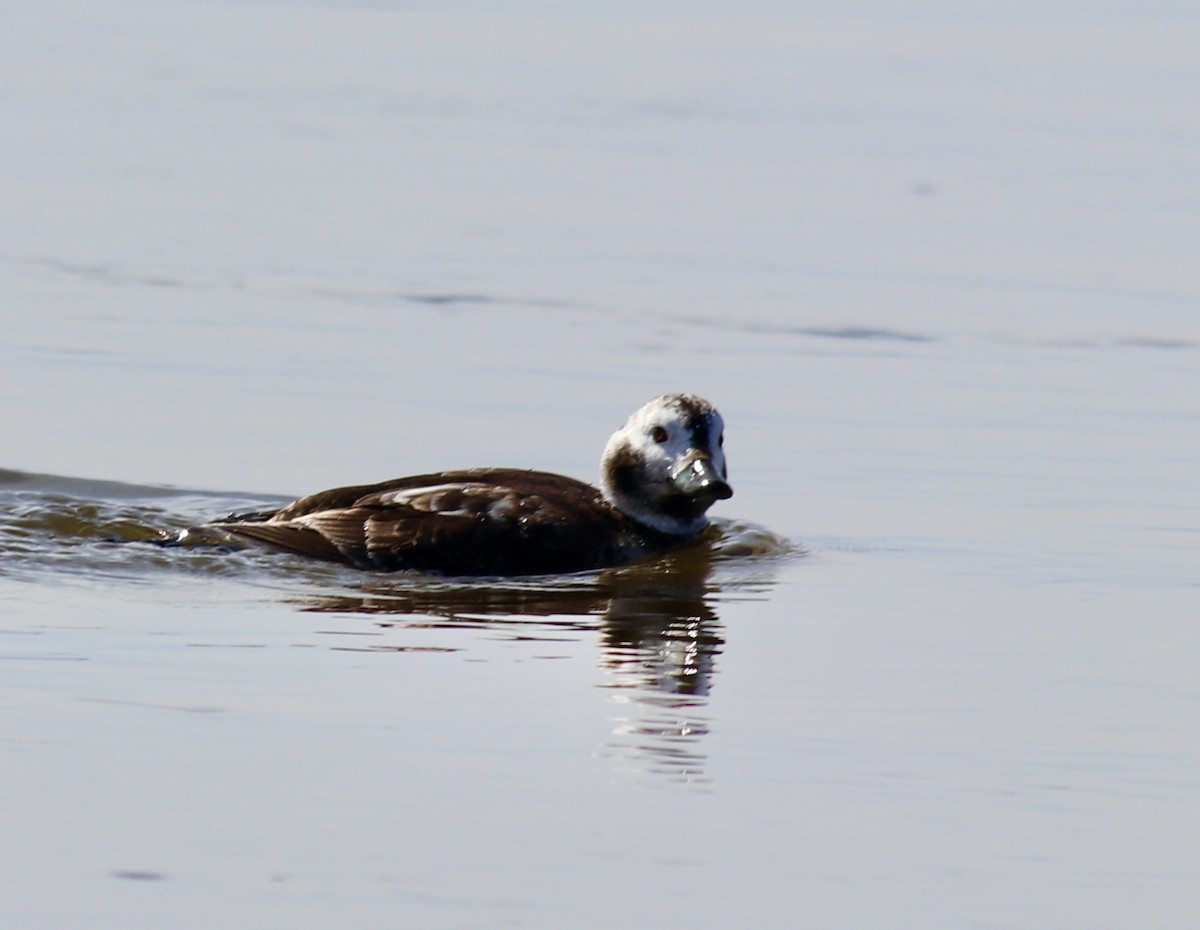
<point>666,466</point>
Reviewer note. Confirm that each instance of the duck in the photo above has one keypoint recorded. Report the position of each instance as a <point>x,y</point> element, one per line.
<point>659,475</point>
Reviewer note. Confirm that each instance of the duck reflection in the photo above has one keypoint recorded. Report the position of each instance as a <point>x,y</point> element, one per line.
<point>659,646</point>
<point>658,636</point>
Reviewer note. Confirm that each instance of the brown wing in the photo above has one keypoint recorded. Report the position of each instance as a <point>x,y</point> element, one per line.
<point>473,522</point>
<point>533,481</point>
<point>289,537</point>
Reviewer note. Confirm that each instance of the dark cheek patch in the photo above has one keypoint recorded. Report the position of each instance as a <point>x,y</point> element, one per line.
<point>699,427</point>
<point>624,469</point>
<point>625,480</point>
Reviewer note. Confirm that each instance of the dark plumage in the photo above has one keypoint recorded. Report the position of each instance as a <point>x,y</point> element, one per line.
<point>660,473</point>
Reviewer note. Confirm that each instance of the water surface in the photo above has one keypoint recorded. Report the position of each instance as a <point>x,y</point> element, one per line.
<point>935,265</point>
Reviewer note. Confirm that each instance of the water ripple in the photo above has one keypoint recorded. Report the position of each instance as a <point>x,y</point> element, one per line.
<point>655,624</point>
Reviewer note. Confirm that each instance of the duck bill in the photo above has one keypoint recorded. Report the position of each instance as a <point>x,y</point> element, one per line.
<point>698,479</point>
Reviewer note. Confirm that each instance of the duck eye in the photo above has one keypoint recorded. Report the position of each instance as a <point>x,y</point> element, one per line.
<point>659,434</point>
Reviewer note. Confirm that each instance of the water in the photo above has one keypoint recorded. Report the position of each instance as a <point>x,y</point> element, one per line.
<point>934,264</point>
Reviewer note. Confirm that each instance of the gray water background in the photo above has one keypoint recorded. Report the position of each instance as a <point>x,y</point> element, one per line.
<point>936,264</point>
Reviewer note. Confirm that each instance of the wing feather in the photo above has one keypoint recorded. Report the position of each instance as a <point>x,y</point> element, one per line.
<point>289,537</point>
<point>473,522</point>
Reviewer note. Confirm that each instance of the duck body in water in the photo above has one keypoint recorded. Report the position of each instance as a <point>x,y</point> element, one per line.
<point>660,473</point>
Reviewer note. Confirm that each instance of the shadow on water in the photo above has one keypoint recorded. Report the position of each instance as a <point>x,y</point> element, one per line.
<point>656,624</point>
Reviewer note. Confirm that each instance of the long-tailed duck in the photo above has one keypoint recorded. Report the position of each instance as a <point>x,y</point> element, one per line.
<point>660,473</point>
